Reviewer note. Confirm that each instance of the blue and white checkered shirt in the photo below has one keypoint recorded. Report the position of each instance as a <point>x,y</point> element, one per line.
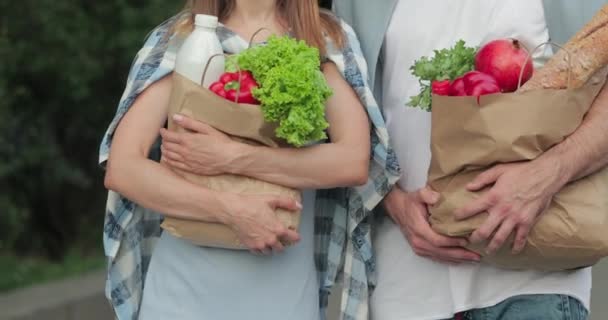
<point>342,227</point>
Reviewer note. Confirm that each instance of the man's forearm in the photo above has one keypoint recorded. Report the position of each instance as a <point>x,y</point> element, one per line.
<point>317,167</point>
<point>586,150</point>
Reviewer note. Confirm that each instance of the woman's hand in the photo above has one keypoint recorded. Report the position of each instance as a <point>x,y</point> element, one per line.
<point>199,149</point>
<point>254,220</point>
<point>342,161</point>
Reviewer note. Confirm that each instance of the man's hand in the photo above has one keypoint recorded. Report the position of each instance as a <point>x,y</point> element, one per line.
<point>520,192</point>
<point>409,211</point>
<point>201,149</point>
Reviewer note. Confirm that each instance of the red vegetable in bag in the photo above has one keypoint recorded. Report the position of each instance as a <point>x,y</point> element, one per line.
<point>457,88</point>
<point>504,59</point>
<point>441,88</point>
<point>218,88</point>
<point>478,84</point>
<point>228,87</point>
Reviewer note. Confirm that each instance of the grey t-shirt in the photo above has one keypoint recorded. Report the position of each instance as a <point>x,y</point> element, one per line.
<point>188,282</point>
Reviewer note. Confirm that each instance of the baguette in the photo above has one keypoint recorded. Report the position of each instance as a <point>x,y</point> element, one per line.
<point>589,53</point>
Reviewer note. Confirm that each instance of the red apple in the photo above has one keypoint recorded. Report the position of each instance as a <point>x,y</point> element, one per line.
<point>504,59</point>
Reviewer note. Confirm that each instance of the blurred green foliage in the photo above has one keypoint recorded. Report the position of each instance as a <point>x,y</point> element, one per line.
<point>63,66</point>
<point>17,272</point>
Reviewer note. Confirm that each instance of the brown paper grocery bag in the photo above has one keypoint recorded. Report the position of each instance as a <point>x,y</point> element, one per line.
<point>243,122</point>
<point>468,138</point>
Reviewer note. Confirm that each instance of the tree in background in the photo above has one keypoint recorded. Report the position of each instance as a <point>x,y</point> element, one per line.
<point>325,3</point>
<point>63,66</point>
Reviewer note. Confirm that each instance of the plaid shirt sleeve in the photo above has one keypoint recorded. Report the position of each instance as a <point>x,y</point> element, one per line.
<point>343,229</point>
<point>130,231</point>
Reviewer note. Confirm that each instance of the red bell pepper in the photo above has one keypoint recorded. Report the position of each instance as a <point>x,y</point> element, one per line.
<point>441,88</point>
<point>478,84</point>
<point>228,87</point>
<point>218,88</point>
<point>457,88</point>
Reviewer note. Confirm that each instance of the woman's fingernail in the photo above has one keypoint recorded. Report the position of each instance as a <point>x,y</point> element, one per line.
<point>436,197</point>
<point>178,117</point>
<point>299,205</point>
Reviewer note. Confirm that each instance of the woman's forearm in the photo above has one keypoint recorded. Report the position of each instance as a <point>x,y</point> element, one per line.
<point>158,188</point>
<point>343,162</point>
<point>148,183</point>
<point>204,150</point>
<point>322,166</point>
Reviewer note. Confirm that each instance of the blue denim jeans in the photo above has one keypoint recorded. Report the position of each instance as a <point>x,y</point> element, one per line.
<point>532,307</point>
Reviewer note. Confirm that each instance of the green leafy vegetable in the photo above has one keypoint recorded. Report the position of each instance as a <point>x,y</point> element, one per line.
<point>445,64</point>
<point>292,89</point>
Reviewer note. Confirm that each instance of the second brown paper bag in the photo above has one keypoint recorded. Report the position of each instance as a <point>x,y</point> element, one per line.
<point>469,137</point>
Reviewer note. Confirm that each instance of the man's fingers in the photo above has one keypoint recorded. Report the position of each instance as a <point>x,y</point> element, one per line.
<point>446,261</point>
<point>285,203</point>
<point>422,229</point>
<point>438,240</point>
<point>443,241</point>
<point>475,207</point>
<point>191,124</point>
<point>456,254</point>
<point>521,238</point>
<point>428,242</point>
<point>485,231</point>
<point>424,248</point>
<point>428,196</point>
<point>503,233</point>
<point>170,136</point>
<point>485,178</point>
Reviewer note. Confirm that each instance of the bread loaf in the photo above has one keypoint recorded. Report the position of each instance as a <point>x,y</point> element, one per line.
<point>588,50</point>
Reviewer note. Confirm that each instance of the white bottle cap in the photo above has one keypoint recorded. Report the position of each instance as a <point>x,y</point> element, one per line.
<point>207,21</point>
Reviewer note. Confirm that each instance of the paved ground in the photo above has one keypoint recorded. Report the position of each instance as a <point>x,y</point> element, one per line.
<point>79,298</point>
<point>82,299</point>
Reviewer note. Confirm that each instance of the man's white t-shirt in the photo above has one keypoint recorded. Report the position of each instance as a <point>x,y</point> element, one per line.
<point>411,287</point>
